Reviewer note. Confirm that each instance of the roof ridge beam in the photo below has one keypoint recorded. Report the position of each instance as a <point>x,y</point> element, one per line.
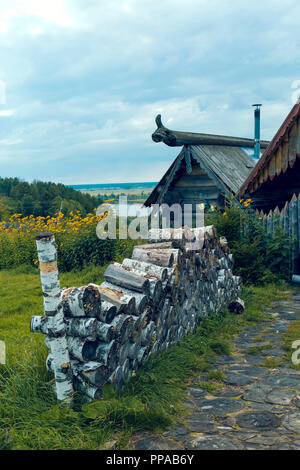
<point>178,138</point>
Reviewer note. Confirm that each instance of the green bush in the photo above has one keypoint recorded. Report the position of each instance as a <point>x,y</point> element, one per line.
<point>259,257</point>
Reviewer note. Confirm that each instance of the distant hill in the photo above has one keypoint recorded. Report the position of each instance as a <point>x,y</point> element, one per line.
<point>42,198</point>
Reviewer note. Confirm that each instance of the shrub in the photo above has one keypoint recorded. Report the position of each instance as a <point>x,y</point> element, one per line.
<point>259,257</point>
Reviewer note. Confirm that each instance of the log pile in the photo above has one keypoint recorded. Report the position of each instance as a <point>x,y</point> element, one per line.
<point>146,304</point>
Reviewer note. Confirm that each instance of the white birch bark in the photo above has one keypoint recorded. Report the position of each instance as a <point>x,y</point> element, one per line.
<point>140,300</point>
<point>158,272</point>
<point>105,332</point>
<point>84,301</point>
<point>92,392</point>
<point>113,295</point>
<point>47,255</point>
<point>81,348</point>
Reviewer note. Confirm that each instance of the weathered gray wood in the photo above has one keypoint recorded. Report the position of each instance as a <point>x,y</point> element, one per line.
<point>286,218</point>
<point>160,257</point>
<point>294,231</point>
<point>47,255</point>
<point>178,138</point>
<point>121,277</point>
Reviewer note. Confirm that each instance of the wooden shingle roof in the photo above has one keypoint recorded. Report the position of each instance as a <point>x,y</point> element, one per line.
<point>227,166</point>
<point>282,153</point>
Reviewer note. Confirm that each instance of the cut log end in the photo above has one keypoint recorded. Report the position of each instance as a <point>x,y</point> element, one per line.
<point>237,306</point>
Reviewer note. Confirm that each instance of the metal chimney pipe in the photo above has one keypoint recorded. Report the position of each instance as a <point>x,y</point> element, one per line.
<point>257,131</point>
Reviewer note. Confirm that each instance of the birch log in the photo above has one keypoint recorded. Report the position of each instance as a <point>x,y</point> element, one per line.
<point>237,306</point>
<point>105,332</point>
<point>121,277</point>
<point>155,290</point>
<point>123,325</point>
<point>158,272</point>
<point>160,257</point>
<point>47,255</point>
<point>83,327</point>
<point>82,301</point>
<point>123,303</point>
<point>38,324</point>
<point>140,300</point>
<point>91,372</point>
<point>108,354</point>
<point>108,312</point>
<point>92,392</point>
<point>81,348</point>
<point>116,377</point>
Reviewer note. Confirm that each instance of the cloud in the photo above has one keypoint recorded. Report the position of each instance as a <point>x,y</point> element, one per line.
<point>6,112</point>
<point>85,80</point>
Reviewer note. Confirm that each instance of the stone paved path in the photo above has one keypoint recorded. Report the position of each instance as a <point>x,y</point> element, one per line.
<point>258,407</point>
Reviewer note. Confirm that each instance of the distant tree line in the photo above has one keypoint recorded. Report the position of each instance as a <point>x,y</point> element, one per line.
<point>42,198</point>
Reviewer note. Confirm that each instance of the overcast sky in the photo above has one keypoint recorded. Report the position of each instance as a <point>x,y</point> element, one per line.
<point>82,80</point>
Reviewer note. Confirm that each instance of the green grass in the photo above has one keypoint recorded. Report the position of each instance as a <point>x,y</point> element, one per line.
<point>256,350</point>
<point>152,400</point>
<point>216,375</point>
<point>271,363</point>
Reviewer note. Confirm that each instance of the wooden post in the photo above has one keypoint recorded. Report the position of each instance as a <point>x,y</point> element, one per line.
<point>47,255</point>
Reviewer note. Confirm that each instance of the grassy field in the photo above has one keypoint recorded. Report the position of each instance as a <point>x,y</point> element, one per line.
<point>29,415</point>
<point>138,195</point>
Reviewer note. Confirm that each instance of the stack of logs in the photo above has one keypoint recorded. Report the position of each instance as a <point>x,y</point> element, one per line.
<point>146,304</point>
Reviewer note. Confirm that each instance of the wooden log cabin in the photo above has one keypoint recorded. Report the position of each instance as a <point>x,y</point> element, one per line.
<point>207,169</point>
<point>275,179</point>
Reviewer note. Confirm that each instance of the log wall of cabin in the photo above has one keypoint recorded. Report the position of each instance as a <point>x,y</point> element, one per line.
<point>194,188</point>
<point>276,191</point>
